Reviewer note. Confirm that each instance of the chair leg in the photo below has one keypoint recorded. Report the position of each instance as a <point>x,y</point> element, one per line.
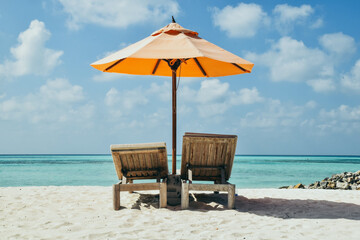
<point>231,196</point>
<point>116,196</point>
<point>163,195</point>
<point>184,195</point>
<point>216,182</point>
<point>130,182</point>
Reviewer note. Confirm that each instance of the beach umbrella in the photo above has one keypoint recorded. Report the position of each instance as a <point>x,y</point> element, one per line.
<point>164,51</point>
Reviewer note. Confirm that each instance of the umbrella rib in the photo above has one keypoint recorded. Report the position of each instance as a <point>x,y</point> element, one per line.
<point>241,68</point>
<point>113,65</point>
<point>156,66</point>
<point>201,68</point>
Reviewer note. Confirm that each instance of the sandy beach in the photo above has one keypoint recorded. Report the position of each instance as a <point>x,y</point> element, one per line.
<point>86,213</point>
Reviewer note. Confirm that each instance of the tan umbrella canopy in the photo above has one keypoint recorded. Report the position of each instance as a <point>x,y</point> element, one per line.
<point>164,51</point>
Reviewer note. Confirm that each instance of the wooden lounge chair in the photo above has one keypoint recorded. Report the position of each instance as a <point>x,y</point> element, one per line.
<point>140,161</point>
<point>207,157</point>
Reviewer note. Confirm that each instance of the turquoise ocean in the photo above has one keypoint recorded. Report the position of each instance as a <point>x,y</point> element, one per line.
<point>249,171</point>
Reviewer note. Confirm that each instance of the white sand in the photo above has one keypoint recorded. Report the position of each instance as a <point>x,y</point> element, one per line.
<point>86,213</point>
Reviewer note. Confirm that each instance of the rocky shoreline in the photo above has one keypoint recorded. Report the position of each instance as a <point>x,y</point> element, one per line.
<point>344,181</point>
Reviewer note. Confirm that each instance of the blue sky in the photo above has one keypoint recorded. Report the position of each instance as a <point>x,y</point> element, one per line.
<point>303,96</point>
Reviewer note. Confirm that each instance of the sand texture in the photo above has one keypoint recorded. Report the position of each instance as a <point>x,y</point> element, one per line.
<point>86,213</point>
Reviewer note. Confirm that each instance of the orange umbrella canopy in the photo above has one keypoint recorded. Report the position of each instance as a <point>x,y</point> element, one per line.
<point>152,56</point>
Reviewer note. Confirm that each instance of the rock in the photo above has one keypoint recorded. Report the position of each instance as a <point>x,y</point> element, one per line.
<point>331,185</point>
<point>323,184</point>
<point>350,179</point>
<point>345,180</point>
<point>337,178</point>
<point>299,186</point>
<point>311,186</point>
<point>342,185</point>
<point>284,187</point>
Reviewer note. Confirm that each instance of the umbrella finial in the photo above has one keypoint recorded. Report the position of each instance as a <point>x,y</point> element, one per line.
<point>173,19</point>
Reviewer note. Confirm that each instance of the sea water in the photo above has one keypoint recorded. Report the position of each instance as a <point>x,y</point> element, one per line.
<point>248,171</point>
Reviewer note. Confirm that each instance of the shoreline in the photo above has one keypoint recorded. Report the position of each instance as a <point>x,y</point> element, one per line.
<point>85,212</point>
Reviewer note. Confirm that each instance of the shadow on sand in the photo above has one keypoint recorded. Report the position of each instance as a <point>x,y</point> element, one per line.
<point>271,207</point>
<point>295,208</point>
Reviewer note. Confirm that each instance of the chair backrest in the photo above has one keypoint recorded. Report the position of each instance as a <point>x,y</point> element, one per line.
<point>140,161</point>
<point>206,154</point>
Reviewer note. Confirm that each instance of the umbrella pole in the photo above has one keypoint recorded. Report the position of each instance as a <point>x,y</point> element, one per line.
<point>174,122</point>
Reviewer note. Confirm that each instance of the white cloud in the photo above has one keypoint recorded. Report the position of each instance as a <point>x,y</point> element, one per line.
<point>212,109</point>
<point>288,13</point>
<point>322,85</point>
<point>290,60</point>
<point>246,96</point>
<point>212,90</point>
<point>264,119</point>
<point>133,103</point>
<point>343,112</point>
<point>61,90</point>
<point>223,100</point>
<point>129,99</point>
<point>277,114</point>
<point>242,21</point>
<point>285,16</point>
<point>137,108</point>
<point>338,43</point>
<point>215,97</point>
<point>187,94</point>
<point>112,97</point>
<point>126,100</point>
<point>317,24</point>
<point>245,20</point>
<point>311,104</point>
<point>342,119</point>
<point>351,81</point>
<point>56,101</point>
<point>117,13</point>
<point>161,91</point>
<point>212,98</point>
<point>30,55</point>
